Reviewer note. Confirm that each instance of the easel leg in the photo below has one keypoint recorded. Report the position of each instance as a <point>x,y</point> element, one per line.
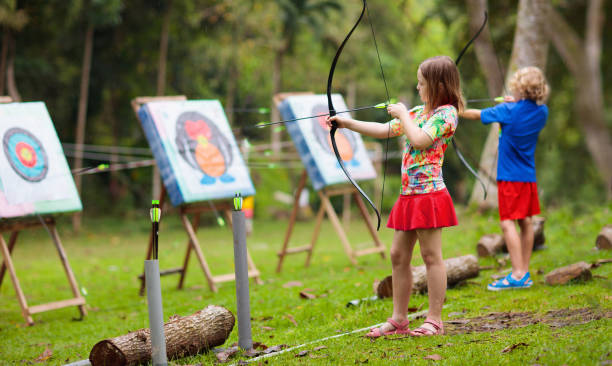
<point>11,245</point>
<point>336,223</point>
<point>315,233</point>
<point>252,267</point>
<point>20,296</point>
<point>228,218</point>
<point>62,254</point>
<point>366,218</point>
<point>296,204</point>
<point>196,247</point>
<point>196,225</point>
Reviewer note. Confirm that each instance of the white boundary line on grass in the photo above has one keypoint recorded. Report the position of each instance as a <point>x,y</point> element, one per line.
<point>411,316</point>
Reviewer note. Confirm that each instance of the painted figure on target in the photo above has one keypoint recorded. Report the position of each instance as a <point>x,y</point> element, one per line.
<point>25,154</point>
<point>204,147</point>
<point>345,140</point>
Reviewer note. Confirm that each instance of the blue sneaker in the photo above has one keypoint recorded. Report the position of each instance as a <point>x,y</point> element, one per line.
<point>508,283</point>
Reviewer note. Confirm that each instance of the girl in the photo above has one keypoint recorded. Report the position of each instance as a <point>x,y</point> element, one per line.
<point>424,206</point>
<point>521,120</point>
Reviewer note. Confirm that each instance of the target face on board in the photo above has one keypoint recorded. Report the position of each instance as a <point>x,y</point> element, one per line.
<point>25,154</point>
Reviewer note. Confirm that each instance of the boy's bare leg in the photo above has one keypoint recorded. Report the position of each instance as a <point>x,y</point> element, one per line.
<point>526,226</point>
<point>430,241</point>
<point>513,243</point>
<point>401,273</point>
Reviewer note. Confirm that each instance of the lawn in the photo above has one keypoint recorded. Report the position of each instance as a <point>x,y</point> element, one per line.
<point>108,255</point>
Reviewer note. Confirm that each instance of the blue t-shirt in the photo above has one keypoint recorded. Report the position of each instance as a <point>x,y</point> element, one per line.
<point>521,123</point>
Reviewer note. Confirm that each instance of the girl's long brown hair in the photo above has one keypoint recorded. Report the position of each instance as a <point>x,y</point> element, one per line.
<point>443,84</point>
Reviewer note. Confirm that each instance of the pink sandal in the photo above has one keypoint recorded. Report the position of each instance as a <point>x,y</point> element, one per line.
<point>400,328</point>
<point>420,331</point>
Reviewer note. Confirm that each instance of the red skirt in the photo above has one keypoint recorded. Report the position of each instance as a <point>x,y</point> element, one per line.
<point>423,211</point>
<point>517,200</point>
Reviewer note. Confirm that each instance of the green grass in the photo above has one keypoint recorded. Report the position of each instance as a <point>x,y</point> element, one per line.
<point>108,255</point>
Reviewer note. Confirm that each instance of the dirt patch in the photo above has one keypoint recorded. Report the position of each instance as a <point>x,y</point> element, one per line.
<point>497,321</point>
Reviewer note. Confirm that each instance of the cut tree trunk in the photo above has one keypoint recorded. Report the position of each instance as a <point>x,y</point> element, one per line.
<point>604,239</point>
<point>457,270</point>
<point>563,275</point>
<point>491,244</point>
<point>185,336</point>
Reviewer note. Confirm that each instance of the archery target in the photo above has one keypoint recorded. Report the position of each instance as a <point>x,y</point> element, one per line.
<point>312,141</point>
<point>195,150</point>
<point>25,154</point>
<point>34,175</point>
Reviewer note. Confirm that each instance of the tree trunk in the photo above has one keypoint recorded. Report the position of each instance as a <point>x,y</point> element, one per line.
<point>185,336</point>
<point>234,74</point>
<point>604,239</point>
<point>563,275</point>
<point>530,48</point>
<point>457,270</point>
<point>3,56</point>
<point>275,138</point>
<point>161,84</point>
<point>11,84</point>
<point>82,116</point>
<point>583,59</point>
<point>163,50</point>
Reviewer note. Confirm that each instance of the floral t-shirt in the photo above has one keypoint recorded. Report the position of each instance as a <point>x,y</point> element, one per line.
<point>422,169</point>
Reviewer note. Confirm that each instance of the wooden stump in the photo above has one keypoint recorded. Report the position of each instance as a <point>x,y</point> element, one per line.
<point>457,270</point>
<point>563,275</point>
<point>490,244</point>
<point>604,239</point>
<point>185,336</point>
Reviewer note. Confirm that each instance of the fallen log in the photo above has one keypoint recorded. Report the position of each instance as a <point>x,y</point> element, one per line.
<point>563,275</point>
<point>538,232</point>
<point>457,270</point>
<point>604,239</point>
<point>491,244</point>
<point>185,336</point>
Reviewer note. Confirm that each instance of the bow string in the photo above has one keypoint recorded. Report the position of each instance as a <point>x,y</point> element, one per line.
<point>457,150</point>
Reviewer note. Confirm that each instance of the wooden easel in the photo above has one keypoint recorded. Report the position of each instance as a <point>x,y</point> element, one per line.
<point>14,227</point>
<point>327,208</point>
<point>191,227</point>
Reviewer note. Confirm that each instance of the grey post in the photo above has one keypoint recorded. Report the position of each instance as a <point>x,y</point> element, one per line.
<point>156,313</point>
<point>242,276</point>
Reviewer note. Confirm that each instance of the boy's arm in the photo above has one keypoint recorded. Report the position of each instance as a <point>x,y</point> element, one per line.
<point>470,114</point>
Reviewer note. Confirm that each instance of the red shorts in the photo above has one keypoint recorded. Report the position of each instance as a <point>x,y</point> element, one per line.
<point>517,200</point>
<point>423,211</point>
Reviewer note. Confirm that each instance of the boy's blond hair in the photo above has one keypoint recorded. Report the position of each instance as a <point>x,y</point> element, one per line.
<point>530,83</point>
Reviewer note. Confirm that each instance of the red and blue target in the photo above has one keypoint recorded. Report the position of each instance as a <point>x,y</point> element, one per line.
<point>26,154</point>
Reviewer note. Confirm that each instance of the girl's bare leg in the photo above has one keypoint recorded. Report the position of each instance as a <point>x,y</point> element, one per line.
<point>401,272</point>
<point>430,241</point>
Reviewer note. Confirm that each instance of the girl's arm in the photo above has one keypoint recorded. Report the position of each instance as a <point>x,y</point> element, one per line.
<point>415,135</point>
<point>470,114</point>
<point>372,129</point>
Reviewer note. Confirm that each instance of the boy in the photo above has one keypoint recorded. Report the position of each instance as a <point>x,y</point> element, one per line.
<point>521,119</point>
